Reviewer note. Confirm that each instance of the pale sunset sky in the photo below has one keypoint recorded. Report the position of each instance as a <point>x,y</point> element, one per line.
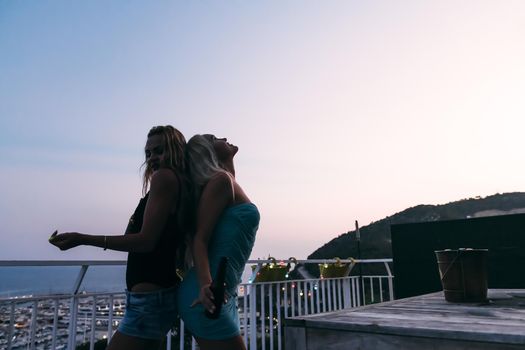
<point>342,110</point>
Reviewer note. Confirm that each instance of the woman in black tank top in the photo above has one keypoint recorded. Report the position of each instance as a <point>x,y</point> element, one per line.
<point>154,238</point>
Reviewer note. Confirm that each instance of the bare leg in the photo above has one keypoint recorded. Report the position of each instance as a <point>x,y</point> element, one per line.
<point>121,341</point>
<point>235,343</point>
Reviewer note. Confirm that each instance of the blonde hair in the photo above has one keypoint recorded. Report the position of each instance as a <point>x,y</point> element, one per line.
<point>201,164</point>
<point>202,161</point>
<point>174,143</point>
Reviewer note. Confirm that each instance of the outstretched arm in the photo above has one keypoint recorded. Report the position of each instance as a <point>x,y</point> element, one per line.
<point>163,191</point>
<point>216,197</point>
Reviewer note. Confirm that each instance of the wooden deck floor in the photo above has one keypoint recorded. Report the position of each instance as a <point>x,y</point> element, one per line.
<point>423,322</point>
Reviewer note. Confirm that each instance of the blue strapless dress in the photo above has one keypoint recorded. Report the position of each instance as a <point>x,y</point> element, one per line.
<point>233,237</point>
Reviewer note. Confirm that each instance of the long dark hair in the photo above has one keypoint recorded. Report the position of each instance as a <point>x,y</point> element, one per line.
<point>175,144</point>
<point>175,149</point>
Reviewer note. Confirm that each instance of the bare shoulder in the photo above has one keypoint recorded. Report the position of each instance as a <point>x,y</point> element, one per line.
<point>220,179</point>
<point>220,182</point>
<point>164,179</point>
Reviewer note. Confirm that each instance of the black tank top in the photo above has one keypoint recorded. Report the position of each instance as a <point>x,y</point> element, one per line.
<point>160,265</point>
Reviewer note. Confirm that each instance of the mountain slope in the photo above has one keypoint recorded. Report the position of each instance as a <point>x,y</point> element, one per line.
<point>375,238</point>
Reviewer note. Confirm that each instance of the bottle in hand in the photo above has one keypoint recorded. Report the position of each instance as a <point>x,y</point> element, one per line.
<point>217,288</point>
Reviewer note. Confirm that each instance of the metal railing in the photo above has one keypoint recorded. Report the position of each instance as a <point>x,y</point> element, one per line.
<point>64,321</point>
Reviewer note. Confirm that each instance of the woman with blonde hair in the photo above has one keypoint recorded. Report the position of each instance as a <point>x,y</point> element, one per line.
<point>154,239</point>
<point>226,224</point>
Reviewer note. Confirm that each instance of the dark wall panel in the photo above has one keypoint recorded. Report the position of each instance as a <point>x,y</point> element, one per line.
<point>413,247</point>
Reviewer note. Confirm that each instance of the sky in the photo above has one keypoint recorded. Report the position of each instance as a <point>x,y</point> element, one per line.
<point>342,110</point>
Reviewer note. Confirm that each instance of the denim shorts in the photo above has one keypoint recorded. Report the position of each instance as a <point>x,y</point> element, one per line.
<point>150,315</point>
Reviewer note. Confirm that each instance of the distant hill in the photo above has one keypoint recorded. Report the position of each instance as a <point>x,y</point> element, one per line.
<point>375,238</point>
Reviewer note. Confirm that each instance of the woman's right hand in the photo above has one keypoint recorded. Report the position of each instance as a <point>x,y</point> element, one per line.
<point>205,298</point>
<point>67,240</point>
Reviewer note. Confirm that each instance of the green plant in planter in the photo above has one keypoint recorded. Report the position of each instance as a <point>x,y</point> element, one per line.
<point>273,271</point>
<point>334,270</point>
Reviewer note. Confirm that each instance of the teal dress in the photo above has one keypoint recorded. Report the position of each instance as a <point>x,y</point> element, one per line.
<point>233,237</point>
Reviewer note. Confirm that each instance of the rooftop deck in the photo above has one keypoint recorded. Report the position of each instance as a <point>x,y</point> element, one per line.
<point>423,322</point>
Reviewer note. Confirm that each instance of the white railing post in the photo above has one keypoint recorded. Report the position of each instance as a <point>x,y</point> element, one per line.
<point>181,335</point>
<point>253,315</point>
<point>270,314</point>
<point>305,297</point>
<point>380,289</point>
<point>358,291</point>
<point>11,326</point>
<point>245,313</point>
<point>33,324</point>
<point>93,323</point>
<point>55,324</point>
<point>279,319</point>
<point>168,340</point>
<point>340,293</point>
<point>371,281</point>
<point>329,292</point>
<point>286,299</point>
<point>347,302</point>
<point>317,295</point>
<point>292,297</point>
<point>110,318</point>
<point>311,296</point>
<point>390,282</point>
<point>72,336</point>
<point>363,295</point>
<point>74,304</point>
<point>354,296</point>
<point>263,318</point>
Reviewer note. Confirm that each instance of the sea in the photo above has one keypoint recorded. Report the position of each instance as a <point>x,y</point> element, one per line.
<point>46,280</point>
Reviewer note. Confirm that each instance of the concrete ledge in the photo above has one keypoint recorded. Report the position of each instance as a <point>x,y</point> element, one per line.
<point>424,322</point>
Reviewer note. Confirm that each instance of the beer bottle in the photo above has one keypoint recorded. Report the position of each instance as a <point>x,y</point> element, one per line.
<point>217,288</point>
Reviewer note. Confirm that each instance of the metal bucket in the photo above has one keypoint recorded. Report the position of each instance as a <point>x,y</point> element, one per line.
<point>463,274</point>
